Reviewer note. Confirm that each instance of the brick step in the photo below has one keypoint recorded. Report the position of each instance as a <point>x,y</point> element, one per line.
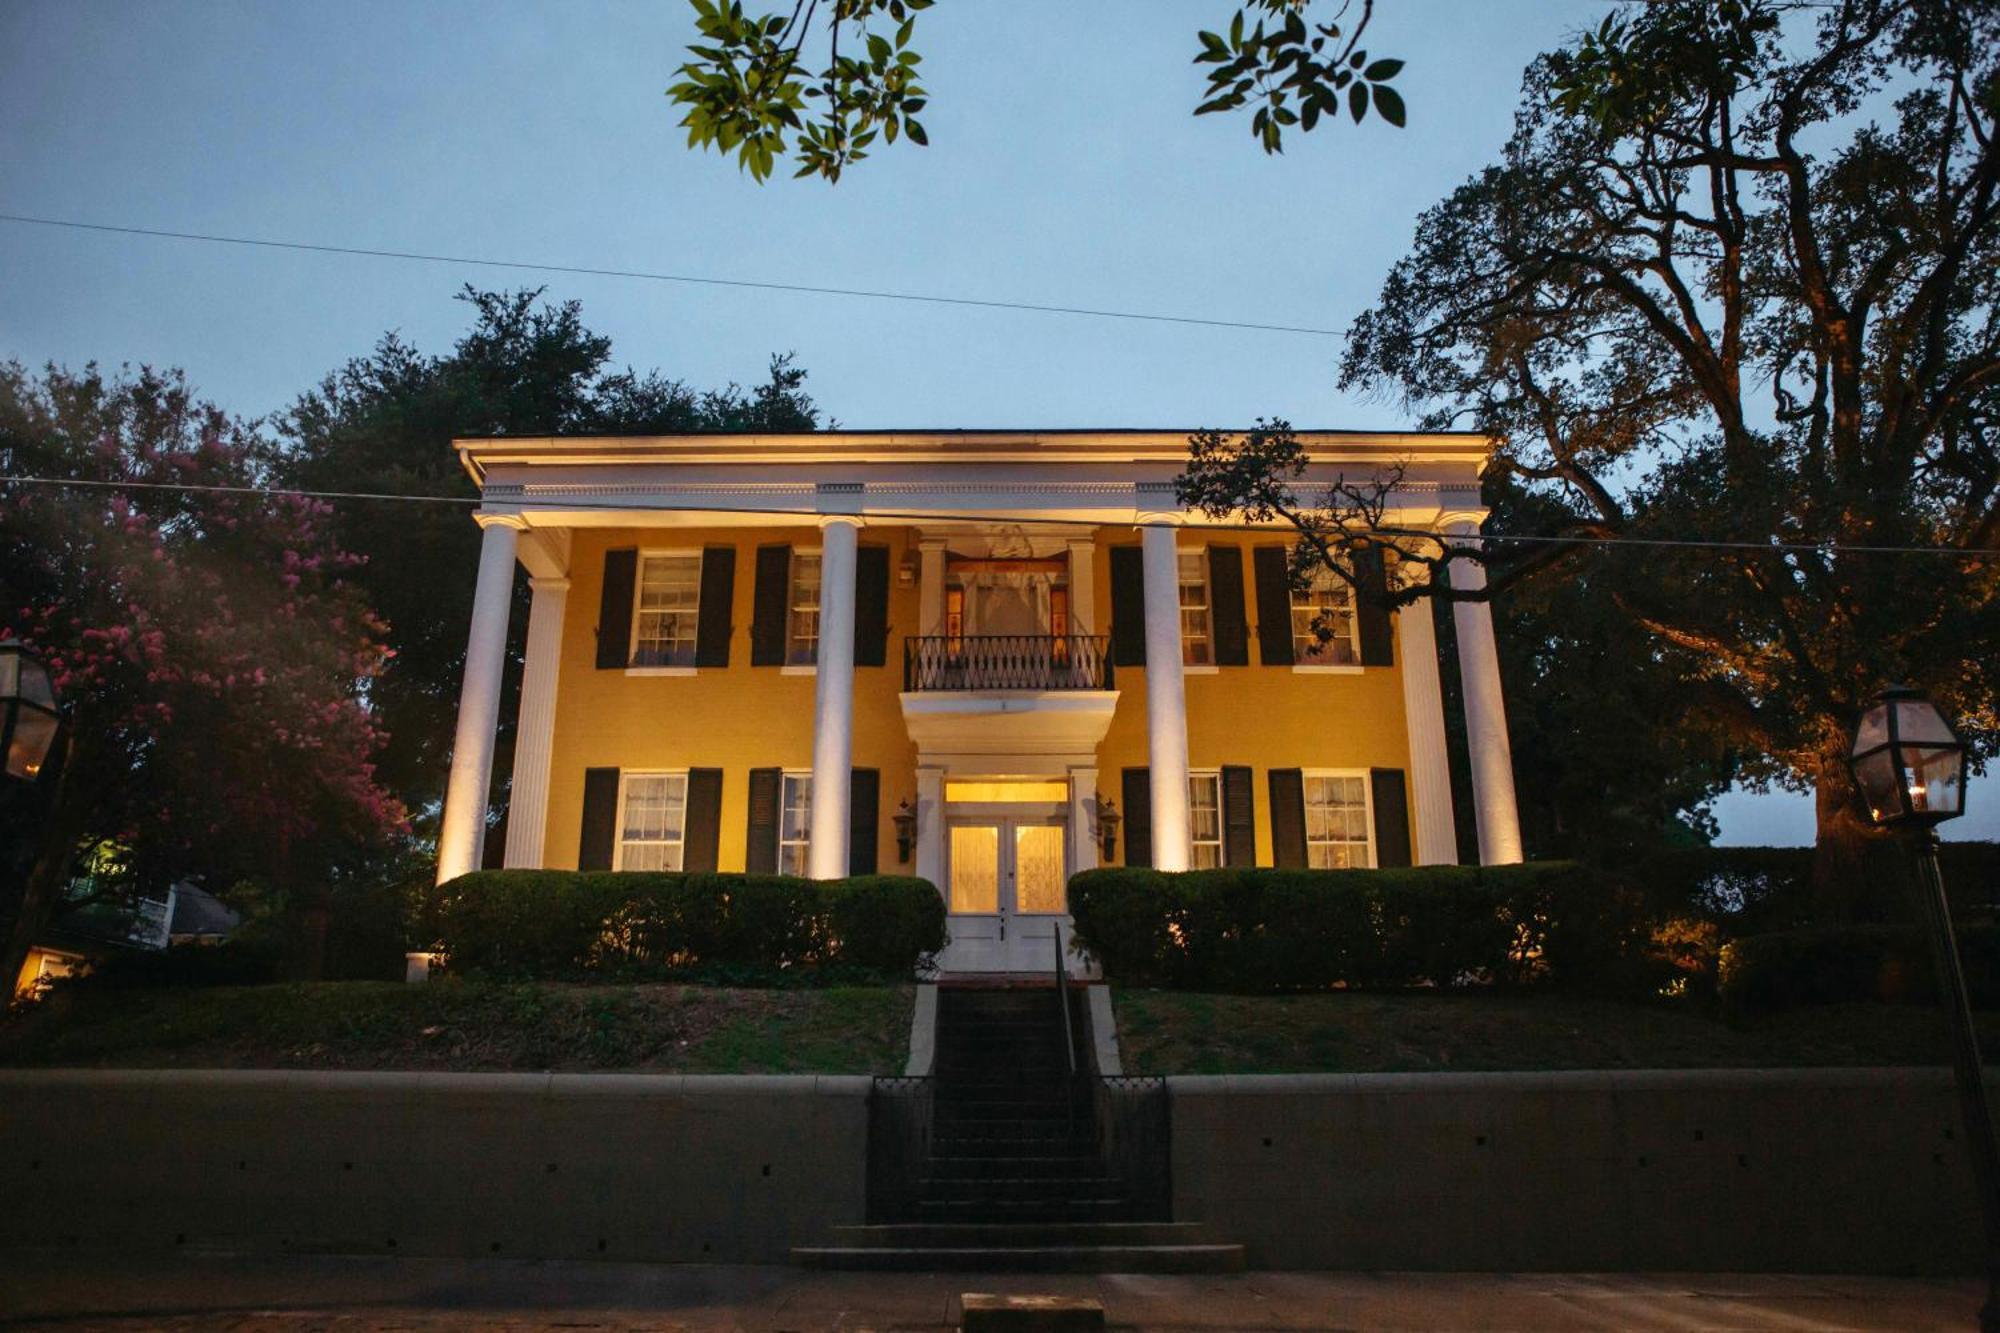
<point>1009,1235</point>
<point>1027,1259</point>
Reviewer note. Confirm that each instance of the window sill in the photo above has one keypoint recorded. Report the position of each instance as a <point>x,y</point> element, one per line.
<point>1327,669</point>
<point>1200,669</point>
<point>661,671</point>
<point>799,669</point>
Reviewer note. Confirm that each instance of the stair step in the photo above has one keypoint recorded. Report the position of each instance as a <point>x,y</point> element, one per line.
<point>1027,1259</point>
<point>1014,1235</point>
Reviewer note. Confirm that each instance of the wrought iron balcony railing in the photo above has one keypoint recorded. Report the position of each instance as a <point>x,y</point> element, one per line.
<point>1007,662</point>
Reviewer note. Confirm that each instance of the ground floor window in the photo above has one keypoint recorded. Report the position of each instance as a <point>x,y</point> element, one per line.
<point>794,823</point>
<point>1338,826</point>
<point>1205,819</point>
<point>652,821</point>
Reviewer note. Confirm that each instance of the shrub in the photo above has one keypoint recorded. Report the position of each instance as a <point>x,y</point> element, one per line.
<point>1832,964</point>
<point>546,924</point>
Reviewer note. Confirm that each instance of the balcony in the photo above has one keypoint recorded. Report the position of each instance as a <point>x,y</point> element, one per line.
<point>1006,662</point>
<point>1008,696</point>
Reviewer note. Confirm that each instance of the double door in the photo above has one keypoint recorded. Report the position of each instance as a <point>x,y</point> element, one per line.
<point>1007,877</point>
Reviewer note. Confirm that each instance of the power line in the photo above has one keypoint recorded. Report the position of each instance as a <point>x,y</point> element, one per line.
<point>939,516</point>
<point>688,278</point>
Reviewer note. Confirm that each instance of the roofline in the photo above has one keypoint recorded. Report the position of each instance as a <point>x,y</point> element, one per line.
<point>958,445</point>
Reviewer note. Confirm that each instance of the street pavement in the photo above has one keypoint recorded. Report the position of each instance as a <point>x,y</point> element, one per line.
<point>73,1290</point>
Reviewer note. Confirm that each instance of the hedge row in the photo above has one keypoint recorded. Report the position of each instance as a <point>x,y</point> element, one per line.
<point>549,924</point>
<point>1831,964</point>
<point>1281,930</point>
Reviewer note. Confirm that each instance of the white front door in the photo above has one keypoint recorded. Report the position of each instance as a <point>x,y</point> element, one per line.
<point>1008,881</point>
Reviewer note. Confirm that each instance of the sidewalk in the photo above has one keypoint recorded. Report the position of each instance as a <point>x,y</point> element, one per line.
<point>71,1290</point>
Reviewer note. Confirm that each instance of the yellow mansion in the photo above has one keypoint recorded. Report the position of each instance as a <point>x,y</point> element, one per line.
<point>989,658</point>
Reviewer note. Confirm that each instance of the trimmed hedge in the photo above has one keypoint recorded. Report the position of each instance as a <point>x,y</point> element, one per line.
<point>547,924</point>
<point>1282,930</point>
<point>1832,964</point>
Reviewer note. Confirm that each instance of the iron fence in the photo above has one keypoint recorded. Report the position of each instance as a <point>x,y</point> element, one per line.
<point>1007,662</point>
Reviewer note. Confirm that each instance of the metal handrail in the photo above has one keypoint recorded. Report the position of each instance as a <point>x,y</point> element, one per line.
<point>1007,662</point>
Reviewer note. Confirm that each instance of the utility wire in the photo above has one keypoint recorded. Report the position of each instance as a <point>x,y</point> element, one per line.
<point>692,279</point>
<point>939,516</point>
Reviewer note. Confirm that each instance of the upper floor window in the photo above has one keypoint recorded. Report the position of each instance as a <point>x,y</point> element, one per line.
<point>802,624</point>
<point>1330,600</point>
<point>1337,823</point>
<point>663,633</point>
<point>794,822</point>
<point>652,821</point>
<point>1196,649</point>
<point>1205,822</point>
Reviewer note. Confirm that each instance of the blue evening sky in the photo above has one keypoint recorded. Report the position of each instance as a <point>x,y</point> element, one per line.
<point>1064,169</point>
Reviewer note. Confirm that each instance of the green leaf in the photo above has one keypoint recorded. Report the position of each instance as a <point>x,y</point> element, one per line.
<point>916,132</point>
<point>1382,69</point>
<point>879,49</point>
<point>1357,101</point>
<point>1388,104</point>
<point>1236,31</point>
<point>1213,43</point>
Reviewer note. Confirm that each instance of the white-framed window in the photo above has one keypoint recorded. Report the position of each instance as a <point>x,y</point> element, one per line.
<point>1340,821</point>
<point>794,822</point>
<point>652,821</point>
<point>669,609</point>
<point>1205,819</point>
<point>802,619</point>
<point>1330,597</point>
<point>1195,646</point>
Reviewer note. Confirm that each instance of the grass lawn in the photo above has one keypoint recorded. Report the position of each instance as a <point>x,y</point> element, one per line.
<point>1167,1032</point>
<point>467,1025</point>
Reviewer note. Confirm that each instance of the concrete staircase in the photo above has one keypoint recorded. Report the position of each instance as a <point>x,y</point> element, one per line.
<point>1014,1178</point>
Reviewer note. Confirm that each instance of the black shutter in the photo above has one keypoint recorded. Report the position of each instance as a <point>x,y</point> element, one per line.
<point>718,594</point>
<point>768,616</point>
<point>1274,605</point>
<point>864,793</point>
<point>1128,607</point>
<point>760,855</point>
<point>1138,817</point>
<point>614,609</point>
<point>1371,610</point>
<point>600,819</point>
<point>871,606</point>
<point>703,830</point>
<point>1225,598</point>
<point>1392,817</point>
<point>1288,817</point>
<point>1239,817</point>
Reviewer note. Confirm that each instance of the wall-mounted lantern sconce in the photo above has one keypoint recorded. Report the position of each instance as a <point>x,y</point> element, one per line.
<point>906,830</point>
<point>1107,827</point>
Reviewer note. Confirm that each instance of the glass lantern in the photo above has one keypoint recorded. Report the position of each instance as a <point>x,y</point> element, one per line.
<point>1908,763</point>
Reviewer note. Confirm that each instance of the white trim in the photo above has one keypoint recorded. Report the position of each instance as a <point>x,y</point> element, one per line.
<point>662,671</point>
<point>1201,669</point>
<point>1327,668</point>
<point>1367,779</point>
<point>618,834</point>
<point>800,669</point>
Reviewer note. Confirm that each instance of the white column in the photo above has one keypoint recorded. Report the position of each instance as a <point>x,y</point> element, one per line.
<point>534,733</point>
<point>833,700</point>
<point>1423,712</point>
<point>930,586</point>
<point>462,830</point>
<point>930,828</point>
<point>1166,700</point>
<point>1485,716</point>
<point>1083,586</point>
<point>1083,841</point>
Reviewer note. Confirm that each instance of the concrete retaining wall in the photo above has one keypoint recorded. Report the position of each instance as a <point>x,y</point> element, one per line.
<point>661,1168</point>
<point>1768,1170</point>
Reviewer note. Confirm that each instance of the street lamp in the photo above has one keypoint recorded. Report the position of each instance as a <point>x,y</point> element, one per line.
<point>28,716</point>
<point>1909,767</point>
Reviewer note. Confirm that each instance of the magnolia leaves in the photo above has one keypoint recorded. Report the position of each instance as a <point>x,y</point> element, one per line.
<point>1295,72</point>
<point>747,91</point>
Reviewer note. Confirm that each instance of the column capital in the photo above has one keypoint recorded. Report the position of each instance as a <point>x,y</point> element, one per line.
<point>490,518</point>
<point>1155,505</point>
<point>932,543</point>
<point>840,521</point>
<point>548,584</point>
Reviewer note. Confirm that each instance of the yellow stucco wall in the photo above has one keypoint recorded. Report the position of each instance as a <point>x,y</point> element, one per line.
<point>743,717</point>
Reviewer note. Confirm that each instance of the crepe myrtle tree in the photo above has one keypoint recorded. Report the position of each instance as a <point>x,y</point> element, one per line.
<point>1734,279</point>
<point>213,653</point>
<point>753,90</point>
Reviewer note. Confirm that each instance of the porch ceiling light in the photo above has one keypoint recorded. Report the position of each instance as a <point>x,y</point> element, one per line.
<point>28,716</point>
<point>1908,764</point>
